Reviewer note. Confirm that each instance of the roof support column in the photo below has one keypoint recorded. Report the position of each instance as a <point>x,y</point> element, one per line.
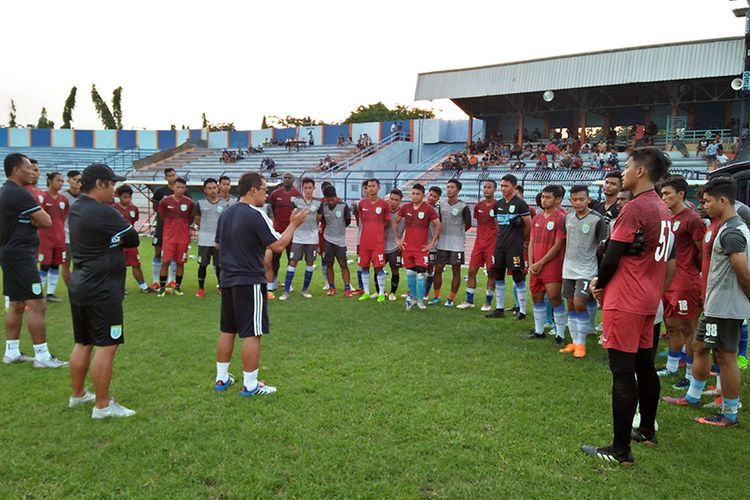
<point>582,136</point>
<point>471,134</point>
<point>573,130</point>
<point>520,127</point>
<point>546,125</point>
<point>605,125</point>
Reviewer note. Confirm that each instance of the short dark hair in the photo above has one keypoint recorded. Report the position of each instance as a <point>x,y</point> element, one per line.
<point>247,181</point>
<point>373,179</point>
<point>519,188</point>
<point>579,188</point>
<point>168,170</point>
<point>676,182</point>
<point>510,178</point>
<point>329,191</point>
<point>73,173</point>
<point>364,182</point>
<point>437,190</point>
<point>397,192</point>
<point>308,180</point>
<point>552,188</point>
<point>615,174</point>
<point>225,178</point>
<point>457,183</point>
<point>180,180</point>
<point>122,189</point>
<point>324,184</point>
<point>418,187</point>
<point>538,198</point>
<point>209,180</point>
<point>33,161</point>
<point>653,160</point>
<point>560,190</point>
<point>51,176</point>
<point>721,186</point>
<point>492,181</point>
<point>12,161</point>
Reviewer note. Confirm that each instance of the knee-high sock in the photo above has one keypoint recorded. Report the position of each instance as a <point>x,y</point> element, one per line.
<point>649,388</point>
<point>500,295</point>
<point>202,276</point>
<point>172,271</point>
<point>308,277</point>
<point>420,286</point>
<point>515,296</point>
<point>520,289</point>
<point>559,315</point>
<point>488,296</point>
<point>573,326</point>
<point>359,278</point>
<point>380,281</point>
<point>470,295</point>
<point>411,283</point>
<point>428,284</point>
<point>394,281</point>
<point>624,395</point>
<point>549,312</point>
<point>43,277</point>
<point>539,312</point>
<point>52,276</point>
<point>364,276</point>
<point>155,268</point>
<point>592,306</point>
<point>583,326</point>
<point>288,279</point>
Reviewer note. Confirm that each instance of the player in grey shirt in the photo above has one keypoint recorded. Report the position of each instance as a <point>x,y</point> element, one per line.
<point>455,218</point>
<point>392,252</point>
<point>72,193</point>
<point>727,301</point>
<point>584,229</point>
<point>336,216</point>
<point>433,198</point>
<point>207,213</point>
<point>305,240</point>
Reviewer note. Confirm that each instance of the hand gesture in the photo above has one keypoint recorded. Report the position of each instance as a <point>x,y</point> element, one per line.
<point>298,216</point>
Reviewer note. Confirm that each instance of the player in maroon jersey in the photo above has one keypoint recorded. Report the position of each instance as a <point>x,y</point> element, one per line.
<point>124,204</point>
<point>682,301</point>
<point>52,239</point>
<point>176,211</point>
<point>281,205</point>
<point>415,246</point>
<point>374,217</point>
<point>630,288</point>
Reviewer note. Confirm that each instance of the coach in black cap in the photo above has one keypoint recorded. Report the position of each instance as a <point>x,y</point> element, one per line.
<point>97,234</point>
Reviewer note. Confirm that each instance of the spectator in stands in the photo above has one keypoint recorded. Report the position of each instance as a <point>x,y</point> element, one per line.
<point>595,161</point>
<point>473,161</point>
<point>268,164</point>
<point>678,143</point>
<point>566,161</point>
<point>612,162</point>
<point>721,159</point>
<point>517,165</point>
<point>711,153</point>
<point>552,151</point>
<point>536,135</point>
<point>541,162</point>
<point>340,142</point>
<point>702,145</point>
<point>267,141</point>
<point>652,130</point>
<point>577,162</point>
<point>310,138</point>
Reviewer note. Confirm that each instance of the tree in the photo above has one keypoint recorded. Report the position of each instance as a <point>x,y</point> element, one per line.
<point>215,127</point>
<point>291,121</point>
<point>264,124</point>
<point>105,115</point>
<point>12,115</point>
<point>204,121</point>
<point>70,103</point>
<point>379,112</point>
<point>44,122</point>
<point>117,107</point>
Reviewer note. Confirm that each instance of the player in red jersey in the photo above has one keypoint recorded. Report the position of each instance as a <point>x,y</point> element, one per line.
<point>52,239</point>
<point>33,188</point>
<point>484,247</point>
<point>415,246</point>
<point>281,205</point>
<point>176,211</point>
<point>374,216</point>
<point>630,288</point>
<point>682,301</point>
<point>546,255</point>
<point>124,204</point>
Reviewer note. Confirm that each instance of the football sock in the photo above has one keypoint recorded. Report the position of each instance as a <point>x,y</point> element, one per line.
<point>470,295</point>
<point>411,282</point>
<point>539,313</point>
<point>452,296</point>
<point>488,296</point>
<point>155,267</point>
<point>673,360</point>
<point>162,282</point>
<point>222,372</point>
<point>394,281</point>
<point>420,286</point>
<point>275,283</point>
<point>324,267</point>
<point>41,353</point>
<point>178,281</point>
<point>549,312</point>
<point>521,293</point>
<point>729,408</point>
<point>288,279</point>
<point>428,284</point>
<point>689,367</point>
<point>172,270</point>
<point>500,295</point>
<point>438,292</point>
<point>583,326</point>
<point>515,296</point>
<point>347,286</point>
<point>718,382</point>
<point>743,340</point>
<point>573,326</point>
<point>52,277</point>
<point>380,275</point>
<point>560,320</point>
<point>365,275</point>
<point>11,349</point>
<point>592,307</point>
<point>308,277</point>
<point>696,388</point>
<point>43,277</point>
<point>142,285</point>
<point>377,283</point>
<point>201,277</point>
<point>359,277</point>
<point>250,379</point>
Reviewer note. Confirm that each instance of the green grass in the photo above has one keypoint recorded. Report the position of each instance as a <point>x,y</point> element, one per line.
<point>373,402</point>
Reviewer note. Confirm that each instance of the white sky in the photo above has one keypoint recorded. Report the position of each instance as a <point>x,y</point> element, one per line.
<point>237,61</point>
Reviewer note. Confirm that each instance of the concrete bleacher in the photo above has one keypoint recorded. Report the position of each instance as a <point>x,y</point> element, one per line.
<point>208,163</point>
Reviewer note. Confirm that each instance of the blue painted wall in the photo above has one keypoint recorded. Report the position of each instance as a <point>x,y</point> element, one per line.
<point>62,138</point>
<point>317,134</point>
<point>41,137</point>
<point>238,139</point>
<point>3,137</point>
<point>218,139</point>
<point>332,133</point>
<point>283,134</point>
<point>385,128</point>
<point>126,139</point>
<point>105,139</point>
<point>146,139</point>
<point>166,139</point>
<point>182,136</point>
<point>195,133</point>
<point>84,139</point>
<point>260,135</point>
<point>18,137</point>
<point>371,129</point>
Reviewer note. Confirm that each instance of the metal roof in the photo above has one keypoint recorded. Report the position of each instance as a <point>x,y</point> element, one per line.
<point>677,61</point>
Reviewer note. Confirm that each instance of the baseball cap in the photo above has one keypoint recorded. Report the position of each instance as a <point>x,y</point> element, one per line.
<point>99,171</point>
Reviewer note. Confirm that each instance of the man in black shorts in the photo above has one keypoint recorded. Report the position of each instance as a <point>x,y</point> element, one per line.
<point>98,234</point>
<point>20,216</point>
<point>243,235</point>
<point>513,228</point>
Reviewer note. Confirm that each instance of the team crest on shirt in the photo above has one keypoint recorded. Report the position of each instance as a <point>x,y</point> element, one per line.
<point>550,225</point>
<point>675,225</point>
<point>492,212</point>
<point>183,207</point>
<point>115,331</point>
<point>454,211</point>
<point>41,198</point>
<point>219,209</point>
<point>708,236</point>
<point>420,215</point>
<point>132,213</point>
<point>338,213</point>
<point>585,228</point>
<point>378,210</point>
<point>36,288</point>
<point>512,208</point>
<point>62,205</point>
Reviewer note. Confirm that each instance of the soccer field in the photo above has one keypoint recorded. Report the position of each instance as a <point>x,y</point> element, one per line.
<point>373,402</point>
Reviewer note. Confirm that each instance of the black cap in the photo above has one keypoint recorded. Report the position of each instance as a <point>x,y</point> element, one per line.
<point>99,171</point>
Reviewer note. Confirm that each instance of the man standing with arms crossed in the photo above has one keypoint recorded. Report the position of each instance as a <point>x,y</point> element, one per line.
<point>455,220</point>
<point>52,239</point>
<point>392,252</point>
<point>374,216</point>
<point>177,213</point>
<point>281,204</point>
<point>482,255</point>
<point>207,213</point>
<point>243,234</point>
<point>630,288</point>
<point>169,175</point>
<point>335,214</point>
<point>20,216</point>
